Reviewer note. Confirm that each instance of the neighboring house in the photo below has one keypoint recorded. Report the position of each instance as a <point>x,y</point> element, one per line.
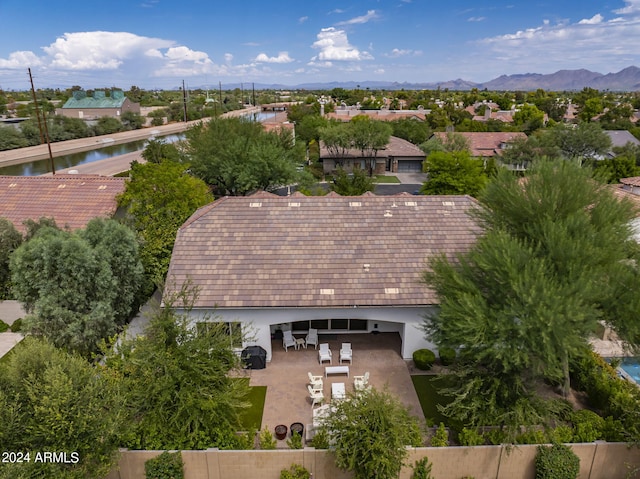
<point>347,265</point>
<point>347,114</point>
<point>93,107</point>
<point>399,156</point>
<point>71,200</point>
<point>486,144</point>
<point>629,189</point>
<point>620,138</point>
<point>491,112</point>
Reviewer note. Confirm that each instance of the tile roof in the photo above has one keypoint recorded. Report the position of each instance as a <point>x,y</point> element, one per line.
<point>72,200</point>
<point>267,251</point>
<point>621,137</point>
<point>486,143</point>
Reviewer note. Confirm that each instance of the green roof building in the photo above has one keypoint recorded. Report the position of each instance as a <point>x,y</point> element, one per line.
<point>85,107</point>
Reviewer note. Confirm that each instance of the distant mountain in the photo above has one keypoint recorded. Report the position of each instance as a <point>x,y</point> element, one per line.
<point>562,80</point>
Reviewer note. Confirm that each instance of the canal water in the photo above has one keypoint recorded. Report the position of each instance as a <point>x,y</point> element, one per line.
<point>41,167</point>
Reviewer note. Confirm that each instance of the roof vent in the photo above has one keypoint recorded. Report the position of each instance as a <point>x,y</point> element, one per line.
<point>62,186</point>
<point>294,204</point>
<point>388,214</point>
<point>102,187</point>
<point>366,267</point>
<point>448,203</point>
<point>394,205</point>
<point>391,290</point>
<point>411,203</point>
<point>326,291</point>
<point>355,203</point>
<point>13,185</point>
<point>255,205</point>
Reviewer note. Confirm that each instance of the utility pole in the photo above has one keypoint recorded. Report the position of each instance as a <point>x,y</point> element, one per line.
<point>184,101</point>
<point>44,136</point>
<point>253,88</point>
<point>220,95</point>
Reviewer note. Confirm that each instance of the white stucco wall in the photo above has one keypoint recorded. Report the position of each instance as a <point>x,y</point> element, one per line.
<point>257,323</point>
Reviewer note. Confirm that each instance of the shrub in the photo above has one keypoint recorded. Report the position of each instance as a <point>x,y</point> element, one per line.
<point>496,437</point>
<point>295,441</point>
<point>296,471</point>
<point>587,426</point>
<point>267,441</point>
<point>422,469</point>
<point>424,359</point>
<point>3,327</point>
<point>470,437</point>
<point>16,326</point>
<point>532,436</point>
<point>447,356</point>
<point>441,437</point>
<point>561,434</point>
<point>167,465</point>
<point>320,439</point>
<point>556,462</point>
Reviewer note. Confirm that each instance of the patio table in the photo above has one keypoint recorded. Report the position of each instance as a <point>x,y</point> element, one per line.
<point>338,391</point>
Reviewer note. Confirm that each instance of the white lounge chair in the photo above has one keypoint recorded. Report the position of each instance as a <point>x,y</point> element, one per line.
<point>360,383</point>
<point>316,396</point>
<point>346,353</point>
<point>288,340</point>
<point>312,338</point>
<point>315,381</point>
<point>325,353</point>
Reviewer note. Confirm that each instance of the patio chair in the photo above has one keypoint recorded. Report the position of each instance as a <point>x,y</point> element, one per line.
<point>360,383</point>
<point>312,338</point>
<point>315,381</point>
<point>316,396</point>
<point>325,353</point>
<point>288,340</point>
<point>346,353</point>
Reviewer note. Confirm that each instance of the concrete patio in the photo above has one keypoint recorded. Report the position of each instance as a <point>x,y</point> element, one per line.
<point>287,399</point>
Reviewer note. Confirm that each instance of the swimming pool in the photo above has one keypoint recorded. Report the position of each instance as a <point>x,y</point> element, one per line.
<point>631,366</point>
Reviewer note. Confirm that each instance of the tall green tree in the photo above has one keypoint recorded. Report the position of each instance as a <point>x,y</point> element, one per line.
<point>556,257</point>
<point>370,433</point>
<point>352,184</point>
<point>237,157</point>
<point>453,173</point>
<point>10,239</point>
<point>585,142</point>
<point>159,198</point>
<point>369,137</point>
<point>77,287</point>
<point>51,400</point>
<point>180,391</point>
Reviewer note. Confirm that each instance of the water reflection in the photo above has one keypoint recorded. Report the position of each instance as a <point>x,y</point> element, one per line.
<point>41,167</point>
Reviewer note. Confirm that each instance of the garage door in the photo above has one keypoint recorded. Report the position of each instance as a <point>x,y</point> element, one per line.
<point>410,166</point>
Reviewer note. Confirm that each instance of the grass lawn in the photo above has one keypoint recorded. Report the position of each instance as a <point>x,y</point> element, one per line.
<point>251,418</point>
<point>386,179</point>
<point>427,387</point>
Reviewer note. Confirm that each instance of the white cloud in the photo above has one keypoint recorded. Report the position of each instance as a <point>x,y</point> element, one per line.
<point>371,15</point>
<point>597,18</point>
<point>632,6</point>
<point>398,52</point>
<point>20,60</point>
<point>334,45</point>
<point>303,19</point>
<point>283,57</point>
<point>228,57</point>
<point>476,19</point>
<point>379,71</point>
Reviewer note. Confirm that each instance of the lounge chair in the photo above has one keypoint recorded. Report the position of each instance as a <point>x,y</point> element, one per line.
<point>288,340</point>
<point>360,383</point>
<point>315,381</point>
<point>325,353</point>
<point>316,396</point>
<point>346,353</point>
<point>312,338</point>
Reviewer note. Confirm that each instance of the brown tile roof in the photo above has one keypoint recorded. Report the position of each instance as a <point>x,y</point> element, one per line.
<point>381,115</point>
<point>267,251</point>
<point>72,200</point>
<point>632,181</point>
<point>486,143</point>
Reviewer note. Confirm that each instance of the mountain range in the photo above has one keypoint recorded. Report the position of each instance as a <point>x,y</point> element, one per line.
<point>627,79</point>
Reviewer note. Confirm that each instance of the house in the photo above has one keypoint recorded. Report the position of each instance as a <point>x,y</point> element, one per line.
<point>93,107</point>
<point>71,200</point>
<point>486,144</point>
<point>620,138</point>
<point>342,265</point>
<point>399,156</point>
<point>629,190</point>
<point>348,113</point>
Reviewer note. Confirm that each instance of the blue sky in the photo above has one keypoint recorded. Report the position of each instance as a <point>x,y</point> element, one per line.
<point>159,43</point>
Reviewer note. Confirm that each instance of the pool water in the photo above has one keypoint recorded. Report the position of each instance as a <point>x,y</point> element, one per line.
<point>631,366</point>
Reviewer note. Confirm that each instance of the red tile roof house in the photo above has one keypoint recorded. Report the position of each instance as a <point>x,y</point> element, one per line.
<point>343,265</point>
<point>71,200</point>
<point>486,144</point>
<point>399,156</point>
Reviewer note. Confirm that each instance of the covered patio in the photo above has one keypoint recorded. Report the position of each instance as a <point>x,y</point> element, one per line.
<point>287,399</point>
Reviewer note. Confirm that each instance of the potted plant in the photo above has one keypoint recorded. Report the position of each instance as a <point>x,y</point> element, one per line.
<point>281,431</point>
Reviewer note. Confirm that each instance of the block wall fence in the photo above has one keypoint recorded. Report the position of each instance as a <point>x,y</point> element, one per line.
<point>598,460</point>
